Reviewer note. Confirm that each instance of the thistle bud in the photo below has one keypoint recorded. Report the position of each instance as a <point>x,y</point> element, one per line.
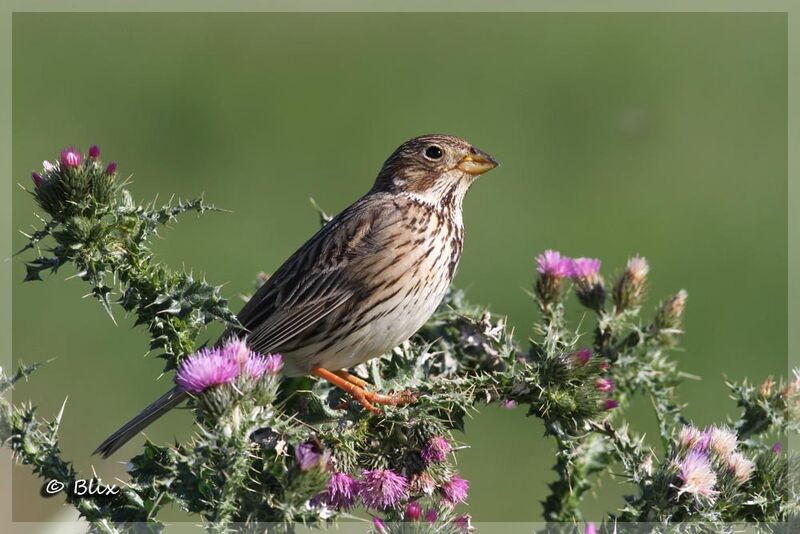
<point>94,152</point>
<point>765,390</point>
<point>70,158</point>
<point>630,287</point>
<point>37,178</point>
<point>585,273</point>
<point>582,356</point>
<point>413,511</point>
<point>610,404</point>
<point>669,315</point>
<point>552,269</point>
<point>111,169</point>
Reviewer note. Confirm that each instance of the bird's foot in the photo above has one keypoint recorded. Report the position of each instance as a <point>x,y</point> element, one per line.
<point>355,387</point>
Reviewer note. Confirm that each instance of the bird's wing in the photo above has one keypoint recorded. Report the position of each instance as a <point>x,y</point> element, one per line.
<point>321,276</point>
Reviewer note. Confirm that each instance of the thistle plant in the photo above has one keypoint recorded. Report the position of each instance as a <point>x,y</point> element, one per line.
<point>268,449</point>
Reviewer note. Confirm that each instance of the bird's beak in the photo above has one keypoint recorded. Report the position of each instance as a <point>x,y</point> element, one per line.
<point>477,162</point>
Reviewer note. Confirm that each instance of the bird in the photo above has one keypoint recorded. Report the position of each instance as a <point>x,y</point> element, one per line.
<point>365,282</point>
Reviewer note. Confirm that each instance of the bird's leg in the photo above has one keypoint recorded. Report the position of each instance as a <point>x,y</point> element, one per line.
<point>352,379</point>
<point>357,392</point>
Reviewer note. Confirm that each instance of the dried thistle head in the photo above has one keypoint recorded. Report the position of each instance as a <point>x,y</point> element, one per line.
<point>629,291</point>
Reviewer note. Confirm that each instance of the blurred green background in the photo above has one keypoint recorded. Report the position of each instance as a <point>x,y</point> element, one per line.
<point>659,134</point>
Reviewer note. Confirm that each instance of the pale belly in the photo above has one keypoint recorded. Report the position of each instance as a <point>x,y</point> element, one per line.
<point>395,320</point>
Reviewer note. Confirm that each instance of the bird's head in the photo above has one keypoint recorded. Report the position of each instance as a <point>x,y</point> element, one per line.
<point>434,168</point>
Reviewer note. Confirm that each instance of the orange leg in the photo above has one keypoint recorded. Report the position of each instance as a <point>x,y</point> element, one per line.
<point>352,379</point>
<point>365,398</point>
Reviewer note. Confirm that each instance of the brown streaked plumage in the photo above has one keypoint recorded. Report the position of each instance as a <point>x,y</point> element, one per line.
<point>366,281</point>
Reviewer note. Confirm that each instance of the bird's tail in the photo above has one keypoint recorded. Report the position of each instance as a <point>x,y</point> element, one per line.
<point>158,408</point>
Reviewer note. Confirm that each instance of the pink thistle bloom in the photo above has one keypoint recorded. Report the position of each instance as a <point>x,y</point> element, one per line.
<point>435,451</point>
<point>236,350</point>
<point>777,448</point>
<point>378,523</point>
<point>689,436</point>
<point>94,152</point>
<point>610,404</point>
<point>582,356</point>
<point>413,511</point>
<point>111,169</point>
<point>431,516</point>
<point>47,166</point>
<point>204,369</point>
<point>508,404</point>
<point>741,467</point>
<point>70,158</point>
<point>464,522</point>
<point>259,365</point>
<point>551,263</point>
<point>382,489</point>
<point>604,385</point>
<point>697,476</point>
<point>309,456</point>
<point>722,441</point>
<point>455,490</point>
<point>37,178</point>
<point>342,491</point>
<point>254,364</point>
<point>587,269</point>
<point>590,529</point>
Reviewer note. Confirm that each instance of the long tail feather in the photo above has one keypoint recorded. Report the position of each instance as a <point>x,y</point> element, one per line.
<point>130,429</point>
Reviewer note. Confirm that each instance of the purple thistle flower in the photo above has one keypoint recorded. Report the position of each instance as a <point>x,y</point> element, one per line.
<point>204,369</point>
<point>413,511</point>
<point>551,263</point>
<point>378,523</point>
<point>590,529</point>
<point>70,158</point>
<point>37,178</point>
<point>431,516</point>
<point>464,522</point>
<point>610,404</point>
<point>435,451</point>
<point>604,385</point>
<point>582,356</point>
<point>94,152</point>
<point>342,491</point>
<point>587,269</point>
<point>697,476</point>
<point>111,169</point>
<point>777,448</point>
<point>382,488</point>
<point>310,456</point>
<point>508,404</point>
<point>455,490</point>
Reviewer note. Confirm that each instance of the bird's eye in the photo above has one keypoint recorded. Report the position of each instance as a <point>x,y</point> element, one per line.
<point>434,152</point>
